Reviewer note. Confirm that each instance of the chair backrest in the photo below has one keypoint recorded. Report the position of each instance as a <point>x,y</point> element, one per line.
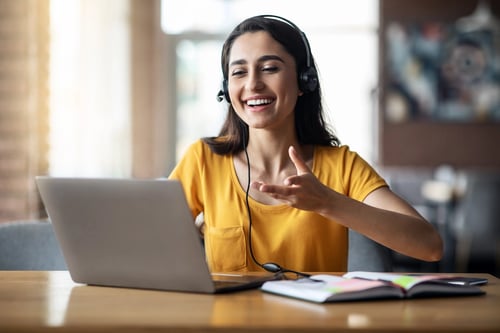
<point>367,255</point>
<point>29,245</point>
<point>32,245</point>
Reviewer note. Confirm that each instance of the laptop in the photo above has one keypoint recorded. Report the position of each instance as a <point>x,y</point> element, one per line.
<point>132,233</point>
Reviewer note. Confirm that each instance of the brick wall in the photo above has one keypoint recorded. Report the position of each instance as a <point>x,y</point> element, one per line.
<point>24,61</point>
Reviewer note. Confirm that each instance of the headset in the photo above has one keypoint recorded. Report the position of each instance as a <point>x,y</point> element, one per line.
<point>308,77</point>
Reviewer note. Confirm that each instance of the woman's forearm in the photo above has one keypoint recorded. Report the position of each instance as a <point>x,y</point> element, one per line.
<point>388,220</point>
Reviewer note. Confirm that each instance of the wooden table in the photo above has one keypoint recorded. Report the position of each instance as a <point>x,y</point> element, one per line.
<point>36,301</point>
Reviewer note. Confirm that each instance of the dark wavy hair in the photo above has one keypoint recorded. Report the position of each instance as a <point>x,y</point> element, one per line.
<point>309,119</point>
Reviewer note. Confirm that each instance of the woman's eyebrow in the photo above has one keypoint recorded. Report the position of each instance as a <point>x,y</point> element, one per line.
<point>271,57</point>
<point>261,59</point>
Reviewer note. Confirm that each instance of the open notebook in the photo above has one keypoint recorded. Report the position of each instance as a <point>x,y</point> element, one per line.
<point>132,233</point>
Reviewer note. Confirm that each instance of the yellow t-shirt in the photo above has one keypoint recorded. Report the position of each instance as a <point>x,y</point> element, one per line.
<point>293,238</point>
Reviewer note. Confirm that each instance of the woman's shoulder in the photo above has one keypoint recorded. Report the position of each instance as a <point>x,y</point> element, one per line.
<point>202,150</point>
<point>338,156</point>
<point>198,146</point>
<point>337,151</point>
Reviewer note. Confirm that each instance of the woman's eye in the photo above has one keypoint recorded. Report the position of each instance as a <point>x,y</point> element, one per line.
<point>271,69</point>
<point>238,72</point>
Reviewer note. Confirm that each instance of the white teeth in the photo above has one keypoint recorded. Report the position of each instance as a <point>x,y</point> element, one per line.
<point>255,102</point>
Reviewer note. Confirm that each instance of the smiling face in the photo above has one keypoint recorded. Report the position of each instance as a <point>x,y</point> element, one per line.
<point>262,81</point>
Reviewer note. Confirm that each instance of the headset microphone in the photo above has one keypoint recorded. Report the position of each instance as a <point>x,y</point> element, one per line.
<point>220,96</point>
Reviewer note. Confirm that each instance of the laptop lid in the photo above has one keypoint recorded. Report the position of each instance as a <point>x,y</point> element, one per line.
<point>129,233</point>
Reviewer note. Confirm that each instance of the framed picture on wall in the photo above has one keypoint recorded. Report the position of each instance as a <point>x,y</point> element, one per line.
<point>444,71</point>
<point>440,84</point>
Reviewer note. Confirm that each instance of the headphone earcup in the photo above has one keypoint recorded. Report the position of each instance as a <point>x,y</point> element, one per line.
<point>308,80</point>
<point>225,90</point>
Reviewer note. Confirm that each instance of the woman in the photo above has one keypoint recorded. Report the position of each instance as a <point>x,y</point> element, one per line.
<point>276,185</point>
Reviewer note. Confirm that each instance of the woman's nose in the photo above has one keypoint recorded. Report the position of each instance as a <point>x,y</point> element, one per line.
<point>254,81</point>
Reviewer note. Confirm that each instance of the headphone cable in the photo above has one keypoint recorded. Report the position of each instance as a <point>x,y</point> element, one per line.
<point>270,266</point>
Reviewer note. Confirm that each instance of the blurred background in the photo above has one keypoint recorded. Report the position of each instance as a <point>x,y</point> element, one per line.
<point>119,88</point>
